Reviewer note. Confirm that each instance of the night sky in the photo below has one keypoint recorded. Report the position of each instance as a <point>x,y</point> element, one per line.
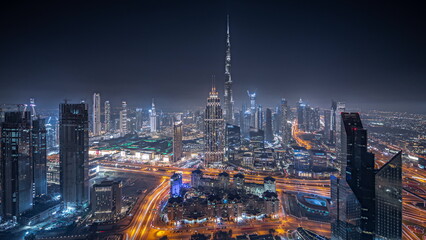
<point>370,55</point>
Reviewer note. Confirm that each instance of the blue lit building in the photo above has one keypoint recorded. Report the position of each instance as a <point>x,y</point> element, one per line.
<point>176,185</point>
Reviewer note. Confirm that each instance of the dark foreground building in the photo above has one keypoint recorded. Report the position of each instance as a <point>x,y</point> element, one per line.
<point>366,203</point>
<point>73,154</point>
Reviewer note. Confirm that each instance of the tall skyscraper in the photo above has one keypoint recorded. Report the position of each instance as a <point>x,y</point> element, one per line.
<point>177,141</point>
<point>39,154</point>
<point>232,140</point>
<point>269,136</point>
<point>228,110</point>
<point>365,203</point>
<point>327,125</point>
<point>258,118</point>
<point>74,154</point>
<point>340,153</point>
<point>285,123</point>
<point>96,120</point>
<point>107,122</point>
<point>213,125</point>
<point>176,185</point>
<point>16,164</point>
<point>106,200</point>
<point>123,119</point>
<point>153,118</point>
<point>301,116</point>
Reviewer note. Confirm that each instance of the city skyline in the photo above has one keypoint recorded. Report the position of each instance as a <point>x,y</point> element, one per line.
<point>289,50</point>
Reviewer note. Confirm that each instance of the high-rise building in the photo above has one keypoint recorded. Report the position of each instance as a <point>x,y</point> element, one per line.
<point>39,154</point>
<point>96,120</point>
<point>123,119</point>
<point>176,185</point>
<point>232,140</point>
<point>333,122</point>
<point>214,124</point>
<point>301,109</point>
<point>327,125</point>
<point>365,203</point>
<point>16,164</point>
<point>340,153</point>
<point>252,109</point>
<point>177,141</point>
<point>73,153</point>
<point>285,123</point>
<point>258,118</point>
<point>269,136</point>
<point>257,138</point>
<point>228,108</point>
<point>107,122</point>
<point>389,199</point>
<point>105,200</point>
<point>153,118</point>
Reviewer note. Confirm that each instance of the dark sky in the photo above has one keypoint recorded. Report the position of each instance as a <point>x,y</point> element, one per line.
<point>366,53</point>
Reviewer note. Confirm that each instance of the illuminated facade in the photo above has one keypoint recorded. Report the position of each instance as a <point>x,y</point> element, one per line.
<point>177,141</point>
<point>285,123</point>
<point>213,129</point>
<point>73,153</point>
<point>153,118</point>
<point>106,200</point>
<point>16,164</point>
<point>228,108</point>
<point>39,148</point>
<point>96,118</point>
<point>123,119</point>
<point>107,122</point>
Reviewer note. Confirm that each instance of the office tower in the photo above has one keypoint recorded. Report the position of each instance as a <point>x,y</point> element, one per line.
<point>214,124</point>
<point>327,125</point>
<point>333,122</point>
<point>340,153</point>
<point>105,200</point>
<point>176,185</point>
<point>96,124</point>
<point>232,140</point>
<point>123,119</point>
<point>153,118</point>
<point>139,119</point>
<point>196,176</point>
<point>389,199</point>
<point>301,115</point>
<point>258,118</point>
<point>39,147</point>
<point>285,123</point>
<point>257,138</point>
<point>177,141</point>
<point>107,122</point>
<point>353,205</point>
<point>252,109</point>
<point>269,136</point>
<point>73,153</point>
<point>228,101</point>
<point>16,164</point>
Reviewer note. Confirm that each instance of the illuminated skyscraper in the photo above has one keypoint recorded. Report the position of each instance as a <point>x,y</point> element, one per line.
<point>340,154</point>
<point>177,141</point>
<point>96,120</point>
<point>285,123</point>
<point>228,108</point>
<point>258,118</point>
<point>176,185</point>
<point>153,118</point>
<point>232,140</point>
<point>123,119</point>
<point>74,153</point>
<point>327,125</point>
<point>269,136</point>
<point>16,164</point>
<point>39,154</point>
<point>107,116</point>
<point>213,125</point>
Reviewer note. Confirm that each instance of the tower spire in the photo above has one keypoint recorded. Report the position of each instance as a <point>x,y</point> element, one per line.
<point>228,99</point>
